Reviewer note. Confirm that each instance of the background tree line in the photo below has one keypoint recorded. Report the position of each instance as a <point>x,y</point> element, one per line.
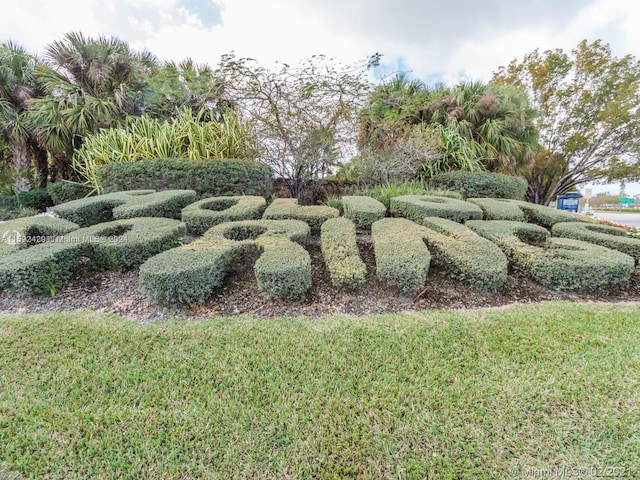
<point>558,119</point>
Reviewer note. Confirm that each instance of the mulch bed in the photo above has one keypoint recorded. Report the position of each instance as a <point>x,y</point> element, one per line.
<point>118,293</point>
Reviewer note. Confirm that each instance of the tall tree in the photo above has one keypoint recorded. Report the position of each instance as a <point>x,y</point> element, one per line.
<point>91,83</point>
<point>588,118</point>
<point>18,87</point>
<point>304,116</point>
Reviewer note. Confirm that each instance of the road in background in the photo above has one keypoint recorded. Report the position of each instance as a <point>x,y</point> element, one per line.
<point>632,219</point>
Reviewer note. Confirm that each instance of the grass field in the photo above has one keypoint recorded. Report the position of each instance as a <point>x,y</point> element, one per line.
<point>508,393</point>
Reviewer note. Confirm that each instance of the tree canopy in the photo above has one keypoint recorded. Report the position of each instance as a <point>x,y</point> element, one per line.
<point>588,118</point>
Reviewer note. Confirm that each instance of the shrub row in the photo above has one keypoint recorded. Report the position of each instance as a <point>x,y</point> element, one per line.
<point>605,235</point>
<point>464,255</point>
<point>137,203</point>
<point>341,255</point>
<point>402,258</point>
<point>201,216</point>
<point>482,184</point>
<point>23,232</point>
<point>63,191</point>
<point>208,178</point>
<point>38,199</point>
<point>191,273</point>
<point>417,207</point>
<point>558,263</point>
<point>118,245</point>
<point>547,217</point>
<point>499,209</point>
<point>362,210</point>
<point>288,209</point>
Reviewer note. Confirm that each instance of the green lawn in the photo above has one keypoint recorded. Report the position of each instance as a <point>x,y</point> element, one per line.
<point>504,393</point>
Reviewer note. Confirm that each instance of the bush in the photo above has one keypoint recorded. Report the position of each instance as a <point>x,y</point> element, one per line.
<point>473,260</point>
<point>558,263</point>
<point>42,269</point>
<point>496,209</point>
<point>604,235</point>
<point>38,199</point>
<point>201,216</point>
<point>288,209</point>
<point>24,232</point>
<point>384,193</point>
<point>190,273</point>
<point>341,255</point>
<point>208,178</point>
<point>402,259</point>
<point>482,184</point>
<point>125,244</point>
<point>63,191</point>
<point>167,204</point>
<point>135,203</point>
<point>547,217</point>
<point>363,210</point>
<point>417,207</point>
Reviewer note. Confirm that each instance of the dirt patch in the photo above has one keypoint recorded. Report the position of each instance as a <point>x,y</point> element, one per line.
<point>239,295</point>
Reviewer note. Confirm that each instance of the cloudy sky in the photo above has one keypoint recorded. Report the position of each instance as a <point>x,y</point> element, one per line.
<point>444,40</point>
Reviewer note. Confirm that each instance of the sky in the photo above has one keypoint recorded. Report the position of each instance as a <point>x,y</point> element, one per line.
<point>436,41</point>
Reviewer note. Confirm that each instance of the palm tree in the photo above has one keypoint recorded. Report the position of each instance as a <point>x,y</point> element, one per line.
<point>19,86</point>
<point>90,84</point>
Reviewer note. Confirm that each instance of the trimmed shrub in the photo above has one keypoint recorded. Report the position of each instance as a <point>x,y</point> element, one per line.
<point>125,244</point>
<point>23,232</point>
<point>42,269</point>
<point>482,184</point>
<point>288,209</point>
<point>363,211</point>
<point>558,263</point>
<point>607,236</point>
<point>201,216</point>
<point>547,217</point>
<point>38,199</point>
<point>167,204</point>
<point>63,191</point>
<point>402,258</point>
<point>208,178</point>
<point>466,256</point>
<point>190,273</point>
<point>130,204</point>
<point>497,209</point>
<point>341,255</point>
<point>417,207</point>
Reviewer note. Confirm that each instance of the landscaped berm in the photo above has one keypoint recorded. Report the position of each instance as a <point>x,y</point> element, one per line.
<point>321,388</point>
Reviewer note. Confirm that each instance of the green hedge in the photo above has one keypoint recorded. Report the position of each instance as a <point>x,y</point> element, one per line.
<point>201,216</point>
<point>121,205</point>
<point>167,204</point>
<point>288,209</point>
<point>466,256</point>
<point>607,236</point>
<point>208,178</point>
<point>402,258</point>
<point>547,217</point>
<point>482,184</point>
<point>38,199</point>
<point>125,244</point>
<point>558,263</point>
<point>417,207</point>
<point>341,254</point>
<point>42,269</point>
<point>362,210</point>
<point>499,209</point>
<point>23,232</point>
<point>191,273</point>
<point>63,191</point>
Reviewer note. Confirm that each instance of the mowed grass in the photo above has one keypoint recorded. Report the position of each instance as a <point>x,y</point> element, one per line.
<point>481,394</point>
